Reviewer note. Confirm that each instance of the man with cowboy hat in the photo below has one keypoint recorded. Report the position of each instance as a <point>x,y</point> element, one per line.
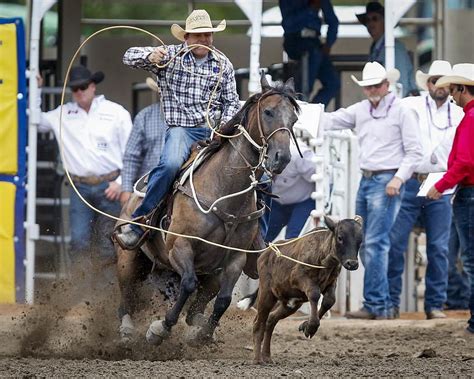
<point>373,19</point>
<point>389,149</point>
<point>144,145</point>
<point>93,138</point>
<point>187,83</point>
<point>437,120</point>
<point>461,169</point>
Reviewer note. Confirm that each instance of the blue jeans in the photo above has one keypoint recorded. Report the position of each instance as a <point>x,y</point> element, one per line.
<point>293,216</point>
<point>319,65</point>
<point>176,151</point>
<point>85,222</point>
<point>435,215</point>
<point>458,281</point>
<point>379,212</point>
<point>463,212</point>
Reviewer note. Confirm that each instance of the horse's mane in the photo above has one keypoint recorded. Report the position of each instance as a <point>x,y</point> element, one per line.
<point>240,118</point>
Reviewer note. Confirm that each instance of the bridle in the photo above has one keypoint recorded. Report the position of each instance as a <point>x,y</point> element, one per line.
<point>262,149</point>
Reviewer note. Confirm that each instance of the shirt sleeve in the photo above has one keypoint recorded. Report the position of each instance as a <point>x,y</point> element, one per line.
<point>343,118</point>
<point>411,137</point>
<point>305,166</point>
<point>463,159</point>
<point>229,96</point>
<point>133,153</point>
<point>137,57</point>
<point>331,19</point>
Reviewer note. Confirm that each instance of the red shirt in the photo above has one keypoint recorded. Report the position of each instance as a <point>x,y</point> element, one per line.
<point>461,159</point>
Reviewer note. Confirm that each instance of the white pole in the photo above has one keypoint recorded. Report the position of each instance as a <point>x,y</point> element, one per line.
<point>389,36</point>
<point>253,11</point>
<point>32,228</point>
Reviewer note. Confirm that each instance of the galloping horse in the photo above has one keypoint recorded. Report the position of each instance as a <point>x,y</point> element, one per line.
<point>268,119</point>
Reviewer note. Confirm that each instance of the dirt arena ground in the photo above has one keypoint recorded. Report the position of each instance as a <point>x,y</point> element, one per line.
<point>64,338</point>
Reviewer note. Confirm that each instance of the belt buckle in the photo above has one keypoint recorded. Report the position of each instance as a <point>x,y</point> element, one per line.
<point>367,174</point>
<point>421,177</point>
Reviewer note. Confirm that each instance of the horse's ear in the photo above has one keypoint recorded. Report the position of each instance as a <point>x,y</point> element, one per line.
<point>264,83</point>
<point>290,83</point>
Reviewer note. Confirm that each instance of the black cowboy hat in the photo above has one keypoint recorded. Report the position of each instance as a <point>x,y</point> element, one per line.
<point>80,75</point>
<point>371,7</point>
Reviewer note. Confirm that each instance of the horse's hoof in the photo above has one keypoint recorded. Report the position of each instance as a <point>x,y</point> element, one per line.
<point>126,330</point>
<point>198,320</point>
<point>126,334</point>
<point>157,333</point>
<point>197,338</point>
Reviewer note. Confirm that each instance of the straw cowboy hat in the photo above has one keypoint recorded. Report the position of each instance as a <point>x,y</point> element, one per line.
<point>437,68</point>
<point>151,83</point>
<point>462,73</point>
<point>80,75</point>
<point>374,73</point>
<point>198,21</point>
<point>371,7</point>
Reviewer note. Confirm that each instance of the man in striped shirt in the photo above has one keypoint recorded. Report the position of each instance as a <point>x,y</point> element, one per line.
<point>188,78</point>
<point>144,145</point>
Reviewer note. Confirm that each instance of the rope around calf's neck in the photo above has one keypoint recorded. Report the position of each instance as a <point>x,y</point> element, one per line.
<point>273,246</point>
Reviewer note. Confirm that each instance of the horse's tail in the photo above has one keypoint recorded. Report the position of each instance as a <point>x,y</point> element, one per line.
<point>248,301</point>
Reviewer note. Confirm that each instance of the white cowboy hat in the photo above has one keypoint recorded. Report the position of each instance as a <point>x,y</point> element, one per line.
<point>198,21</point>
<point>437,68</point>
<point>151,83</point>
<point>462,73</point>
<point>374,73</point>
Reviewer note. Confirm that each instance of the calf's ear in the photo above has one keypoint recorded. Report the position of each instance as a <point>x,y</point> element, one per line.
<point>330,223</point>
<point>358,219</point>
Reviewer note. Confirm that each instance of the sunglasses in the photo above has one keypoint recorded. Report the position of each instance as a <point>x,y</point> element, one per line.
<point>434,79</point>
<point>82,87</point>
<point>373,18</point>
<point>454,89</point>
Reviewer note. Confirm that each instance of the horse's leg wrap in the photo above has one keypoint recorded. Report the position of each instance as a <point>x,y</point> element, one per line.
<point>126,328</point>
<point>157,332</point>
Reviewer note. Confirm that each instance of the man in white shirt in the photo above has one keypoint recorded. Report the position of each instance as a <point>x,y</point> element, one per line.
<point>389,144</point>
<point>438,119</point>
<point>92,139</point>
<point>294,187</point>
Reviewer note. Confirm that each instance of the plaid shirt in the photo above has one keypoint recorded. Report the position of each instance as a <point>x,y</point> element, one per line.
<point>186,86</point>
<point>144,145</point>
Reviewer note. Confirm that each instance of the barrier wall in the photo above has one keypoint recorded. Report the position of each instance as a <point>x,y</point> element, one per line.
<point>13,127</point>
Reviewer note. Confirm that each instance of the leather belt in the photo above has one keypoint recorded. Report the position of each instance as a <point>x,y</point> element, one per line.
<point>419,176</point>
<point>368,173</point>
<point>94,180</point>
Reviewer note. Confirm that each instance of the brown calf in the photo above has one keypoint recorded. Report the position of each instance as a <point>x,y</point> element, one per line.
<point>285,285</point>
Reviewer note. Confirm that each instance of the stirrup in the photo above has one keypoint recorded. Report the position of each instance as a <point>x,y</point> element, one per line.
<point>141,240</point>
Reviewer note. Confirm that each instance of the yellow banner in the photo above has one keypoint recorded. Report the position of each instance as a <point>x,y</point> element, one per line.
<point>8,100</point>
<point>7,247</point>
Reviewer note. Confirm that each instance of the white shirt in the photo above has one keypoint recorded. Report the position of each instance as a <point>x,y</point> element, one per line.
<point>436,134</point>
<point>294,184</point>
<point>389,138</point>
<point>92,143</point>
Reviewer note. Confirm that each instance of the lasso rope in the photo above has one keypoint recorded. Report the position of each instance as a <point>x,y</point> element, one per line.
<point>273,246</point>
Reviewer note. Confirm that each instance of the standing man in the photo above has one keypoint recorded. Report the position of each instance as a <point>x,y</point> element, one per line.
<point>186,83</point>
<point>94,135</point>
<point>302,25</point>
<point>373,19</point>
<point>461,169</point>
<point>294,188</point>
<point>144,145</point>
<point>437,120</point>
<point>389,150</point>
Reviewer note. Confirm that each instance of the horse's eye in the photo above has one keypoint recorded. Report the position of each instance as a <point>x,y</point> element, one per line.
<point>268,113</point>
